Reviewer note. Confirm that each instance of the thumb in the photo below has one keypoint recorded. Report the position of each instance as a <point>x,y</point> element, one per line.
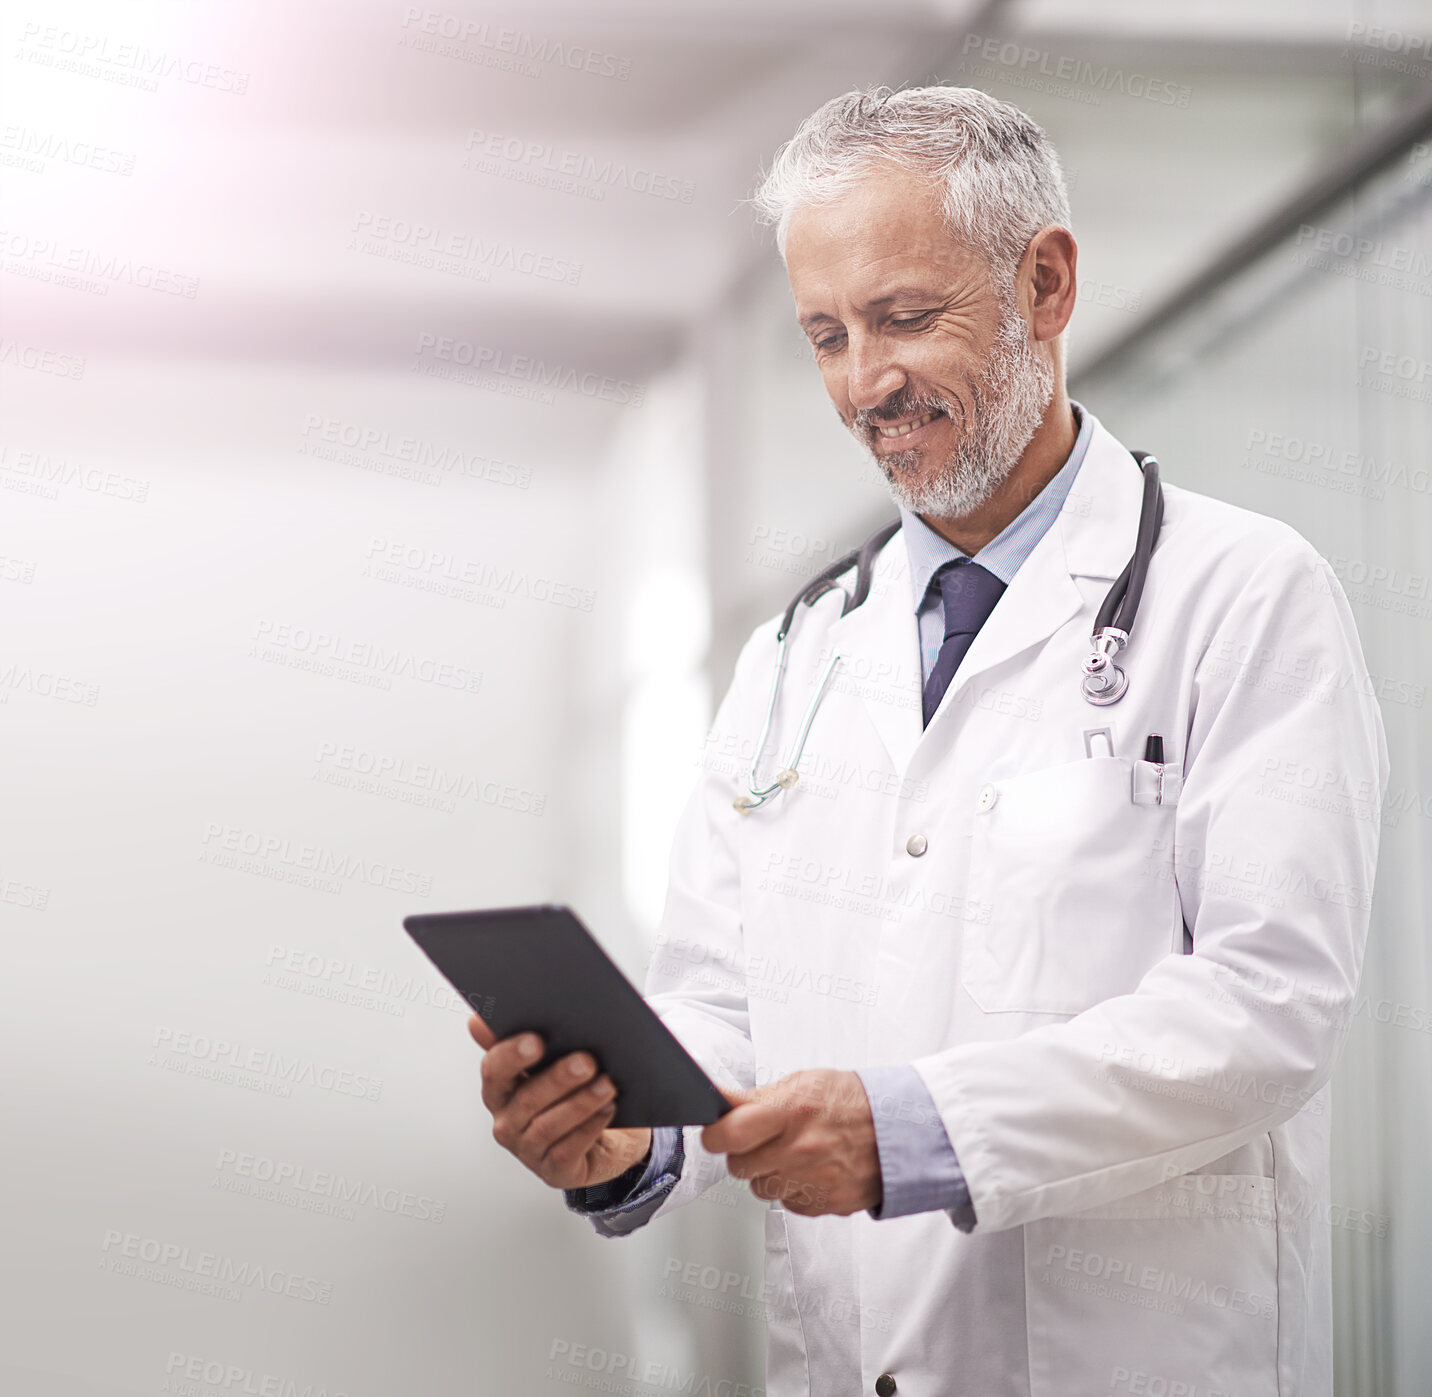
<point>734,1097</point>
<point>485,1036</point>
<point>749,1123</point>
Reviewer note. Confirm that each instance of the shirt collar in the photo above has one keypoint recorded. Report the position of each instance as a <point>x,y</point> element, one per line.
<point>1005,553</point>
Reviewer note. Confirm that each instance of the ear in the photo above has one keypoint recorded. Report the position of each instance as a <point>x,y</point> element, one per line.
<point>1048,276</point>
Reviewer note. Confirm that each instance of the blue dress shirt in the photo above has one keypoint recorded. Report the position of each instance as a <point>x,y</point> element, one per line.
<point>918,1168</point>
<point>1003,555</point>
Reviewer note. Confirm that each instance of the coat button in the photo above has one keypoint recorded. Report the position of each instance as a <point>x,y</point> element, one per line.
<point>885,1385</point>
<point>988,796</point>
<point>915,846</point>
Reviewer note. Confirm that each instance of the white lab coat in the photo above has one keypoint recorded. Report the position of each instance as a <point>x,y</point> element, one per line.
<point>1126,1014</point>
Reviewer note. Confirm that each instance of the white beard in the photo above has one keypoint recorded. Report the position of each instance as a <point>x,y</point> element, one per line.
<point>1009,398</point>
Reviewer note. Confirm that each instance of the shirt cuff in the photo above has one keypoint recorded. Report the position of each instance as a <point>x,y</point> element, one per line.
<point>624,1203</point>
<point>918,1169</point>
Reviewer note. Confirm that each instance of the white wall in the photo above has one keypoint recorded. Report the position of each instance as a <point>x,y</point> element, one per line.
<point>171,826</point>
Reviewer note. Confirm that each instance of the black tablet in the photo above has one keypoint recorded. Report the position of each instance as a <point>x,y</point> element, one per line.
<point>539,969</point>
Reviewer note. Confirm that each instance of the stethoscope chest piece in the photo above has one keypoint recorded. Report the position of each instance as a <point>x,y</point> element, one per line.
<point>1104,682</point>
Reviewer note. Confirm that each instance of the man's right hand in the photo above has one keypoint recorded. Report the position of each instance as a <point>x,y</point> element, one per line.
<point>554,1122</point>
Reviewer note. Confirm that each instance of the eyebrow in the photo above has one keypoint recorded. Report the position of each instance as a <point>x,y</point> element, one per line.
<point>898,294</point>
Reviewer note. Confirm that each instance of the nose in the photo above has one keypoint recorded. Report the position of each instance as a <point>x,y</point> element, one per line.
<point>872,374</point>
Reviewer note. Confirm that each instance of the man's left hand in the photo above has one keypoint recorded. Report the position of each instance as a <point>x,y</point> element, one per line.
<point>807,1141</point>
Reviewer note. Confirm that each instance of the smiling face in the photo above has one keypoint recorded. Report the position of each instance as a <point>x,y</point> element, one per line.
<point>928,362</point>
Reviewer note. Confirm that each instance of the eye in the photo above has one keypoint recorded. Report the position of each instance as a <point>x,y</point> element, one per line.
<point>916,318</point>
<point>827,343</point>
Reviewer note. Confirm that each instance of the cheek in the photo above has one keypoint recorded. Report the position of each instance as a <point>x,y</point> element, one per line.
<point>946,363</point>
<point>834,382</point>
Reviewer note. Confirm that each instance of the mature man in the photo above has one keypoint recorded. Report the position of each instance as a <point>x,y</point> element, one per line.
<point>1030,1024</point>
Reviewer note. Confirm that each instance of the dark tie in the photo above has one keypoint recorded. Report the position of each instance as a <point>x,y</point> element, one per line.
<point>969,593</point>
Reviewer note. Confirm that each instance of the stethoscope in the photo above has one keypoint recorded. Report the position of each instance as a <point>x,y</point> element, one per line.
<point>1102,682</point>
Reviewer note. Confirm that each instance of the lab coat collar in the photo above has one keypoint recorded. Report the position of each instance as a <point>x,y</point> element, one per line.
<point>1093,537</point>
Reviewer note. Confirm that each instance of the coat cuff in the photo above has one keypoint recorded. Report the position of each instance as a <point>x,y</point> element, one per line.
<point>624,1203</point>
<point>919,1172</point>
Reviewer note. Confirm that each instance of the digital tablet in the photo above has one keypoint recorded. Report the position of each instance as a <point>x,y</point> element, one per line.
<point>539,969</point>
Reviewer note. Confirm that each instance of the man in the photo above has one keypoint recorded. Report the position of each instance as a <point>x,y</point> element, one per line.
<point>1029,1024</point>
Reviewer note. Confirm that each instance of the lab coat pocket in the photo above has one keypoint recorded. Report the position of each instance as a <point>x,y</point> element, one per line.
<point>1074,883</point>
<point>787,1368</point>
<point>1178,1284</point>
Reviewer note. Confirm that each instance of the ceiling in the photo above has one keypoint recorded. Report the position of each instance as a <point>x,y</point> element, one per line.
<point>313,206</point>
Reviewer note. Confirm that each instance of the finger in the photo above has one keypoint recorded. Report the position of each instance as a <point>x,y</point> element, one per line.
<point>793,1196</point>
<point>484,1036</point>
<point>773,1188</point>
<point>568,1075</point>
<point>734,1097</point>
<point>503,1066</point>
<point>773,1157</point>
<point>744,1127</point>
<point>563,1134</point>
<point>564,1164</point>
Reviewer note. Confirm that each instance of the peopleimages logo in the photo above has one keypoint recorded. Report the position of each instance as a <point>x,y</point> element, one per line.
<point>151,1258</point>
<point>483,359</point>
<point>469,579</point>
<point>66,264</point>
<point>186,1371</point>
<point>419,783</point>
<point>515,157</point>
<point>626,1368</point>
<point>25,679</point>
<point>283,1071</point>
<point>1064,74</point>
<point>295,861</point>
<point>282,1181</point>
<point>442,32</point>
<point>1124,1275</point>
<point>133,64</point>
<point>39,473</point>
<point>28,149</point>
<point>388,452</point>
<point>41,359</point>
<point>1340,243</point>
<point>453,251</point>
<point>368,662</point>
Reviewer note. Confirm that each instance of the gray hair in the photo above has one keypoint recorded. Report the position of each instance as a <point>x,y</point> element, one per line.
<point>1000,177</point>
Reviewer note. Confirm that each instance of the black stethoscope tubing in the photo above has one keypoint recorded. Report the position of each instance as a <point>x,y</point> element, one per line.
<point>1120,606</point>
<point>1103,681</point>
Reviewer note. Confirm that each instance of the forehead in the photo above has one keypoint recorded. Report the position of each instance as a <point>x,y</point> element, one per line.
<point>886,229</point>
